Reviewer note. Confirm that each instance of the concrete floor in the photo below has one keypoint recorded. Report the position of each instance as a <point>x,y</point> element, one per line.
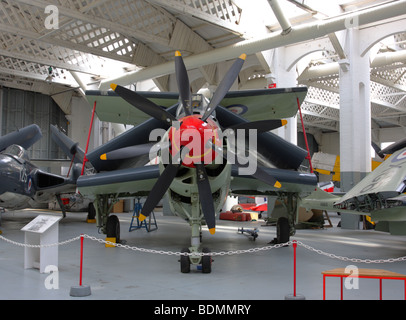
<point>117,273</point>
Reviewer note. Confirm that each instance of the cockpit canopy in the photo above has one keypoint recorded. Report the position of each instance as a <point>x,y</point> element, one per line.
<point>16,151</point>
<point>199,105</point>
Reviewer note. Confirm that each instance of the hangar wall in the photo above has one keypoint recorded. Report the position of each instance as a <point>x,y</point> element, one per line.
<point>21,108</point>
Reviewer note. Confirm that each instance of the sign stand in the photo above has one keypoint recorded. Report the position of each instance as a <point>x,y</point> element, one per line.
<point>43,230</point>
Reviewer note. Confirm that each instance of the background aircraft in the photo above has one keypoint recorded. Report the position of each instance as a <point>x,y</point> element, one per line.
<point>22,183</point>
<point>24,137</point>
<point>197,184</point>
<point>329,165</point>
<point>379,195</point>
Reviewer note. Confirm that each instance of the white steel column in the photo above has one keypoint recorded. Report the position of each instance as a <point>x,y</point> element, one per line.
<point>355,119</point>
<point>284,78</point>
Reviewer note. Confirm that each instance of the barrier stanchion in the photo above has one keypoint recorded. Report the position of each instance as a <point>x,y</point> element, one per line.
<point>294,296</point>
<point>81,260</point>
<point>81,290</point>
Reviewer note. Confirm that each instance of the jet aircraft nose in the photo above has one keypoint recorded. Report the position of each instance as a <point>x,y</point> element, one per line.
<point>12,175</point>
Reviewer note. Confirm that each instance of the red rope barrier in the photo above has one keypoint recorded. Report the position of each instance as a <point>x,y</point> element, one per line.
<point>294,267</point>
<point>88,138</point>
<point>308,157</point>
<point>81,260</point>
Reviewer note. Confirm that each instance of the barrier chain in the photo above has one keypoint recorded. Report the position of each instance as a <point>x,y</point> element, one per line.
<point>221,253</point>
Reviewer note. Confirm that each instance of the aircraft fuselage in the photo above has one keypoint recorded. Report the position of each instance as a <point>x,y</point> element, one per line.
<point>23,184</point>
<point>16,188</point>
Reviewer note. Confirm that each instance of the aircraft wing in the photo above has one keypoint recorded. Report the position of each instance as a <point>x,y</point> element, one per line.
<point>111,108</point>
<point>24,137</point>
<point>265,104</point>
<point>124,182</point>
<point>139,181</point>
<point>140,134</point>
<point>69,147</point>
<point>250,104</point>
<point>291,181</point>
<point>322,200</point>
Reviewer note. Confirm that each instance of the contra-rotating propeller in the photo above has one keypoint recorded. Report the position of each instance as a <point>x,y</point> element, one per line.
<point>199,123</point>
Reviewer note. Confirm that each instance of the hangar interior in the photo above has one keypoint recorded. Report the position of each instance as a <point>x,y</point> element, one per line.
<point>93,40</point>
<point>52,52</point>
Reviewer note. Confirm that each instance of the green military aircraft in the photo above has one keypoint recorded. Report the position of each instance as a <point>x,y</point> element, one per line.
<point>207,149</point>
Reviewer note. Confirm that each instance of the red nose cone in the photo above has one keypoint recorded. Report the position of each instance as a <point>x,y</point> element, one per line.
<point>194,134</point>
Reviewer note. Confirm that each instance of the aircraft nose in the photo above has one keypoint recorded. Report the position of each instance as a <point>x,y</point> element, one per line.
<point>9,175</point>
<point>3,175</point>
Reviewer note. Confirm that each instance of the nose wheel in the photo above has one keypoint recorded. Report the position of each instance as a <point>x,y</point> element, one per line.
<point>204,261</point>
<point>185,261</point>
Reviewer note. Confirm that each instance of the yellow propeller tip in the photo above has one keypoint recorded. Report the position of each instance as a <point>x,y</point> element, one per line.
<point>284,122</point>
<point>277,184</point>
<point>103,157</point>
<point>212,230</point>
<point>113,86</point>
<point>141,217</point>
<point>177,54</point>
<point>243,56</point>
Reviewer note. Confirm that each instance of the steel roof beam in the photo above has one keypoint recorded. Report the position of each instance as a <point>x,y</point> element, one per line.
<point>298,34</point>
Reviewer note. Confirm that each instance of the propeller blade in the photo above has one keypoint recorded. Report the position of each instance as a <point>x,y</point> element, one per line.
<point>394,147</point>
<point>206,197</point>
<point>183,83</point>
<point>143,104</point>
<point>128,152</point>
<point>224,85</point>
<point>377,150</point>
<point>162,184</point>
<point>259,174</point>
<point>261,126</point>
<point>158,190</point>
<point>134,151</point>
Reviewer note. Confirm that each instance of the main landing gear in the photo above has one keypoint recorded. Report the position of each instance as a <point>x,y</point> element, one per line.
<point>285,225</point>
<point>108,224</point>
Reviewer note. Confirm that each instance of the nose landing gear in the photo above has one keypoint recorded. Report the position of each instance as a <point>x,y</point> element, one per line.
<point>204,262</point>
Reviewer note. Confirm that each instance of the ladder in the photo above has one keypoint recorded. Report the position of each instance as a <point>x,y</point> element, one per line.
<point>327,218</point>
<point>137,224</point>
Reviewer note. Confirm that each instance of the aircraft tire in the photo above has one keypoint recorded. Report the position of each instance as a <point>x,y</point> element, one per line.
<point>113,228</point>
<point>206,262</point>
<point>282,230</point>
<point>184,262</point>
<point>91,211</point>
